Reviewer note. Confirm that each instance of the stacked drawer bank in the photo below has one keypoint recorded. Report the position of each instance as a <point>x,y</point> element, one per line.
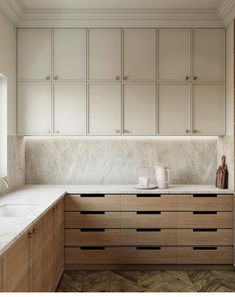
<point>148,229</point>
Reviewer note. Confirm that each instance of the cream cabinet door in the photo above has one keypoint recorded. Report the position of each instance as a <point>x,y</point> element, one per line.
<point>34,54</point>
<point>174,54</point>
<point>209,109</point>
<point>34,108</point>
<point>70,108</point>
<point>174,109</point>
<point>69,54</point>
<point>209,54</point>
<point>104,54</point>
<point>104,109</point>
<point>139,109</point>
<point>139,54</point>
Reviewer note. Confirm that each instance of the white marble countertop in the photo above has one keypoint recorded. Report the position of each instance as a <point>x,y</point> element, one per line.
<point>45,196</point>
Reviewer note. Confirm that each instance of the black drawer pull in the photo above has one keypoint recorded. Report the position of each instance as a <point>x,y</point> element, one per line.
<point>204,212</point>
<point>148,212</point>
<point>205,230</point>
<point>148,248</point>
<point>92,212</point>
<point>148,230</point>
<point>148,196</point>
<point>92,195</point>
<point>204,195</point>
<point>92,248</point>
<point>204,248</point>
<point>92,230</point>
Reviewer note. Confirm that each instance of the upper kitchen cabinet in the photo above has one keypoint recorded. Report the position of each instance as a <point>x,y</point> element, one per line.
<point>104,54</point>
<point>139,55</point>
<point>70,108</point>
<point>69,59</point>
<point>34,54</point>
<point>34,108</point>
<point>174,55</point>
<point>104,109</point>
<point>208,109</point>
<point>208,62</point>
<point>139,109</point>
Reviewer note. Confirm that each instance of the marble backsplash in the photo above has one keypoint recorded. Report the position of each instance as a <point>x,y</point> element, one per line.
<point>15,163</point>
<point>119,161</point>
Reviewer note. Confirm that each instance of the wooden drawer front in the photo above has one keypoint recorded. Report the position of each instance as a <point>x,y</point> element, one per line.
<point>203,203</point>
<point>148,237</point>
<point>148,219</point>
<point>204,237</point>
<point>92,220</point>
<point>98,202</point>
<point>204,219</point>
<point>149,255</point>
<point>92,237</point>
<point>147,203</point>
<point>196,255</point>
<point>102,255</point>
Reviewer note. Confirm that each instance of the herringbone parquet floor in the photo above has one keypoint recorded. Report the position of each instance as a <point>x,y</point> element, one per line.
<point>147,281</point>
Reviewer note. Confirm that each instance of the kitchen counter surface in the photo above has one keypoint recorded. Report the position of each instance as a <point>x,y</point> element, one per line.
<point>42,197</point>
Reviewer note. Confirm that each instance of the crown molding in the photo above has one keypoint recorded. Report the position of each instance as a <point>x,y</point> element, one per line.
<point>30,18</point>
<point>227,11</point>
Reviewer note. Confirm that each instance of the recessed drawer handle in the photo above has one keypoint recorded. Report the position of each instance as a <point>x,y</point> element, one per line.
<point>204,212</point>
<point>204,248</point>
<point>92,248</point>
<point>148,230</point>
<point>92,195</point>
<point>148,196</point>
<point>92,212</point>
<point>92,230</point>
<point>204,195</point>
<point>148,248</point>
<point>205,230</point>
<point>148,212</point>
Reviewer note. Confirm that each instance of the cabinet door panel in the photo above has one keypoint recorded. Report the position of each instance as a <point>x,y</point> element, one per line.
<point>209,54</point>
<point>34,108</point>
<point>209,109</point>
<point>139,54</point>
<point>104,109</point>
<point>33,53</point>
<point>70,54</point>
<point>59,239</point>
<point>174,54</point>
<point>104,54</point>
<point>174,109</point>
<point>139,109</point>
<point>70,109</point>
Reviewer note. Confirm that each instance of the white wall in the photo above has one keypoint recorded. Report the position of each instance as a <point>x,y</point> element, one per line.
<point>8,66</point>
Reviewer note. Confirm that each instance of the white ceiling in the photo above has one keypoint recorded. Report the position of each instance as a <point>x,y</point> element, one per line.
<point>120,4</point>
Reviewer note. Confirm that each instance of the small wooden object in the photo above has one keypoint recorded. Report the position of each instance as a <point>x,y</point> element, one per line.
<point>222,175</point>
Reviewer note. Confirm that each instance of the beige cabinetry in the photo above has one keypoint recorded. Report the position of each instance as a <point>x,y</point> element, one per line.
<point>147,229</point>
<point>36,261</point>
<point>104,54</point>
<point>139,109</point>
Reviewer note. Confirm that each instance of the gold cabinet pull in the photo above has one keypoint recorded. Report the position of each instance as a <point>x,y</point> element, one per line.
<point>187,131</point>
<point>126,131</point>
<point>125,77</point>
<point>187,77</point>
<point>35,230</point>
<point>117,77</point>
<point>118,131</point>
<point>30,235</point>
<point>196,131</point>
<point>195,77</point>
<point>56,77</point>
<point>48,77</point>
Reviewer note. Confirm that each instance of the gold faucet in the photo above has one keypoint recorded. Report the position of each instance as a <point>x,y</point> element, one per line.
<point>5,181</point>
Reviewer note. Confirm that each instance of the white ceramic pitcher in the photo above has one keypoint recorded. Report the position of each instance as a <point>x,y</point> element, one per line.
<point>163,176</point>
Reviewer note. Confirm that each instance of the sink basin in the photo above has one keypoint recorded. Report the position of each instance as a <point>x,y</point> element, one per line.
<point>16,210</point>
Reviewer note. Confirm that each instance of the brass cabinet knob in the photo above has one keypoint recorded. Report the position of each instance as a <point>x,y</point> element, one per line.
<point>187,131</point>
<point>48,77</point>
<point>57,131</point>
<point>56,77</point>
<point>117,77</point>
<point>196,131</point>
<point>126,131</point>
<point>187,77</point>
<point>35,230</point>
<point>195,77</point>
<point>125,77</point>
<point>118,131</point>
<point>30,235</point>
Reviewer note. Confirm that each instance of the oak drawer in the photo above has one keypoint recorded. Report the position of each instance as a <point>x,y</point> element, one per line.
<point>204,219</point>
<point>92,202</point>
<point>204,203</point>
<point>92,237</point>
<point>148,202</point>
<point>89,219</point>
<point>150,219</point>
<point>92,255</point>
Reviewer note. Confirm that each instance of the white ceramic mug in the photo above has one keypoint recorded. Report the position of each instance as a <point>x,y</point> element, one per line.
<point>144,181</point>
<point>162,177</point>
